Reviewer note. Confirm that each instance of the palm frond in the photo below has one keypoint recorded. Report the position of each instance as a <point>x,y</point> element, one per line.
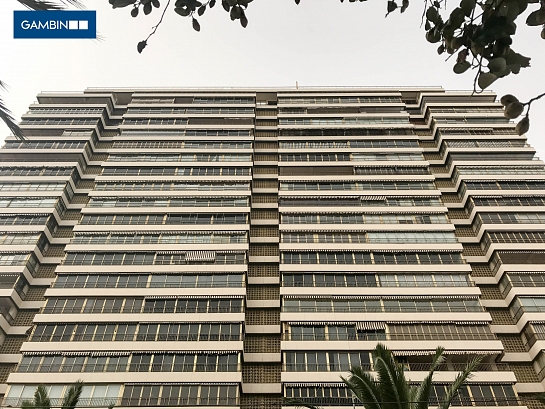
<point>422,391</point>
<point>75,3</point>
<point>461,378</point>
<point>27,404</point>
<point>394,387</point>
<point>41,400</point>
<point>413,396</point>
<point>364,388</point>
<point>41,5</point>
<point>300,404</point>
<point>71,398</point>
<point>7,117</point>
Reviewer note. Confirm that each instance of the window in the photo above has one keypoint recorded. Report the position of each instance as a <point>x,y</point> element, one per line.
<point>153,362</point>
<point>338,100</point>
<point>388,218</point>
<point>45,145</point>
<point>370,258</point>
<point>40,187</point>
<point>165,186</point>
<point>91,396</point>
<point>180,158</point>
<point>357,186</point>
<point>164,238</point>
<point>29,171</point>
<point>180,395</point>
<point>402,305</point>
<point>172,171</point>
<point>323,361</point>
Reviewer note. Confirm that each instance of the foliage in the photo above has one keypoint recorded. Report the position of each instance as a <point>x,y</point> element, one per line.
<point>390,389</point>
<point>50,4</point>
<point>479,33</point>
<point>42,401</point>
<point>7,116</point>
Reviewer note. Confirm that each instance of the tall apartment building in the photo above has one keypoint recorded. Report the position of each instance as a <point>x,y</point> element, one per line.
<point>230,247</point>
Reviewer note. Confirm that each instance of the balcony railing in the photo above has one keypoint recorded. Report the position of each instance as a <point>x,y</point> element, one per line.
<point>409,366</point>
<point>521,310</point>
<point>404,309</point>
<point>134,402</point>
<point>140,310</point>
<point>150,285</point>
<point>58,368</point>
<point>382,283</point>
<point>136,337</point>
<point>362,336</point>
<point>458,401</point>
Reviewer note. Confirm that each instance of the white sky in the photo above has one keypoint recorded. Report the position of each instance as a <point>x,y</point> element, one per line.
<point>318,43</point>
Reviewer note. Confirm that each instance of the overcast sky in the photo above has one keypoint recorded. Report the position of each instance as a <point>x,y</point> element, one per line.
<point>318,43</point>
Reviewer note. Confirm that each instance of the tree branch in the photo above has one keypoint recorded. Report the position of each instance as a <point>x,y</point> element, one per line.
<point>159,23</point>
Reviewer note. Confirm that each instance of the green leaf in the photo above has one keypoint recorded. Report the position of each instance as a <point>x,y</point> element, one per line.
<point>141,45</point>
<point>468,6</point>
<point>513,58</point>
<point>497,64</point>
<point>41,400</point>
<point>236,13</point>
<point>454,388</point>
<point>71,398</point>
<point>212,3</point>
<point>231,2</point>
<point>156,3</point>
<point>432,15</point>
<point>432,36</point>
<point>460,68</point>
<point>457,17</point>
<point>392,5</point>
<point>404,5</point>
<point>486,79</point>
<point>532,19</point>
<point>182,11</point>
<point>523,126</point>
<point>243,20</point>
<point>225,5</point>
<point>147,8</point>
<point>523,4</point>
<point>510,10</point>
<point>196,25</point>
<point>121,3</point>
<point>508,99</point>
<point>201,10</point>
<point>134,12</point>
<point>513,110</point>
<point>422,391</point>
<point>193,4</point>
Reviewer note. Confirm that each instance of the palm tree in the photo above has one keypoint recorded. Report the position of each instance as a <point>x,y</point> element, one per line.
<point>5,114</point>
<point>42,401</point>
<point>390,389</point>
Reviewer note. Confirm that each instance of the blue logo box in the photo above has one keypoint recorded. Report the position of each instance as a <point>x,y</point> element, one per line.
<point>55,24</point>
